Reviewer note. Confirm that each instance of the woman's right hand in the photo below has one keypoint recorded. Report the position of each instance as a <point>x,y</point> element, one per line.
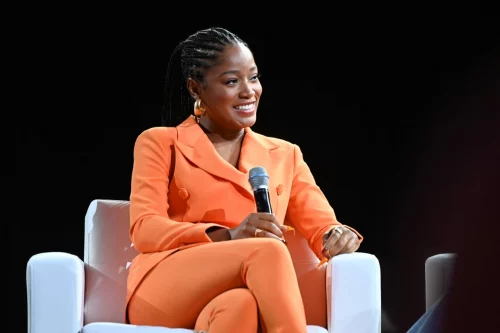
<point>259,225</point>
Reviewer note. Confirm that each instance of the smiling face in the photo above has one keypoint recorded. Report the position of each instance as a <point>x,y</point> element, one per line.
<point>230,91</point>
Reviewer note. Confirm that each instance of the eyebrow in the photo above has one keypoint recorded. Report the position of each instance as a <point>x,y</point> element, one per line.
<point>235,71</point>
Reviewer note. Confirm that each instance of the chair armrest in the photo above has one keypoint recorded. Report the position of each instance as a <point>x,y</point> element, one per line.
<point>438,275</point>
<point>55,284</point>
<point>353,293</point>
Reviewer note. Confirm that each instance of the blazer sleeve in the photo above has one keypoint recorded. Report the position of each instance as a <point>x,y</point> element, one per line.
<point>308,208</point>
<point>151,229</point>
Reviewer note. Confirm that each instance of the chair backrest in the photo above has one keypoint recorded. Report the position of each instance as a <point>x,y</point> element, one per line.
<point>439,271</point>
<point>109,251</point>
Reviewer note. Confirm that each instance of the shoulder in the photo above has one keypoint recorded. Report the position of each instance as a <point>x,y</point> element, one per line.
<point>278,144</point>
<point>275,143</point>
<point>160,135</point>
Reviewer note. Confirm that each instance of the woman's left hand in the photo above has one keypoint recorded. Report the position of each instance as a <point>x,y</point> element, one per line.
<point>339,240</point>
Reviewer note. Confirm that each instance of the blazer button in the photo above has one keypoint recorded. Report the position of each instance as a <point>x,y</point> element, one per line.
<point>183,193</point>
<point>279,189</point>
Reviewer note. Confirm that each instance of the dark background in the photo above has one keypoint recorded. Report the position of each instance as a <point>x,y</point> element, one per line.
<point>382,104</point>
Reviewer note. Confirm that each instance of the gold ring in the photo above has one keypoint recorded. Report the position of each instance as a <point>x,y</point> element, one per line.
<point>257,232</point>
<point>337,229</point>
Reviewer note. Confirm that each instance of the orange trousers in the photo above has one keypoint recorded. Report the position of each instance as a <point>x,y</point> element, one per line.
<point>242,286</point>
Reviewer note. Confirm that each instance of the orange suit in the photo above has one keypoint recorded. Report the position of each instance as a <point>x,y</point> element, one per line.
<point>181,187</point>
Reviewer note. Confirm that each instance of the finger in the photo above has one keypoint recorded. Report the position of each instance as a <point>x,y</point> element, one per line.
<point>332,238</point>
<point>329,243</point>
<point>271,218</point>
<point>336,243</point>
<point>350,244</point>
<point>269,227</point>
<point>265,234</point>
<point>268,219</point>
<point>349,231</point>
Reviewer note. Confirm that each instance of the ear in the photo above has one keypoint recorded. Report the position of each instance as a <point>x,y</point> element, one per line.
<point>193,87</point>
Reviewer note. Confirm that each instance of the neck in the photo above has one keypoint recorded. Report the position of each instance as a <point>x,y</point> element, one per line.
<point>217,134</point>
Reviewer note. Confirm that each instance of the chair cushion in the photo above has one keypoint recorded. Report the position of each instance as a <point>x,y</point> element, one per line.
<point>109,251</point>
<point>124,328</point>
<point>316,329</point>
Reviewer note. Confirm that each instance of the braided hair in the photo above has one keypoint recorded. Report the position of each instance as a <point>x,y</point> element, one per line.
<point>190,59</point>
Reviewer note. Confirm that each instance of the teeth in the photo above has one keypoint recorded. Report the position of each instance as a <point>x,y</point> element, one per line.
<point>244,107</point>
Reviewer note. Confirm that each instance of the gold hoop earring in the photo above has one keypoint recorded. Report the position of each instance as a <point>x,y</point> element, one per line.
<point>198,110</point>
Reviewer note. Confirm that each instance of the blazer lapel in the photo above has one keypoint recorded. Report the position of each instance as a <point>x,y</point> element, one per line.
<point>194,144</point>
<point>257,151</point>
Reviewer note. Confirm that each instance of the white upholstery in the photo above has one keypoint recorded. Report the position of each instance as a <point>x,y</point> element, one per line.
<point>122,328</point>
<point>66,295</point>
<point>353,294</point>
<point>55,284</point>
<point>107,254</point>
<point>438,275</point>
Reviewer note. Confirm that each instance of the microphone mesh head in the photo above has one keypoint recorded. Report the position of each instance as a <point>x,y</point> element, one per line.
<point>258,177</point>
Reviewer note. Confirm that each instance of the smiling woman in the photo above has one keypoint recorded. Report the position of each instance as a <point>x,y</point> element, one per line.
<point>230,91</point>
<point>216,69</point>
<point>205,253</point>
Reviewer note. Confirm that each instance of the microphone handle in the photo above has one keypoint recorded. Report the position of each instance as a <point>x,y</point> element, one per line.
<point>262,200</point>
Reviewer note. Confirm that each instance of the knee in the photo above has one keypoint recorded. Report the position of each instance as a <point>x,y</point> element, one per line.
<point>242,299</point>
<point>272,248</point>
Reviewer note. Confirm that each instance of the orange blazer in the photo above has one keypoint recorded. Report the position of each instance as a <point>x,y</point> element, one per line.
<point>181,186</point>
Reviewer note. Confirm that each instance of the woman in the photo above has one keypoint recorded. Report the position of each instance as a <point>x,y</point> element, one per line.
<point>207,260</point>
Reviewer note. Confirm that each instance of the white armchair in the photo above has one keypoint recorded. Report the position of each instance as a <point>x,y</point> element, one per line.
<point>438,275</point>
<point>68,295</point>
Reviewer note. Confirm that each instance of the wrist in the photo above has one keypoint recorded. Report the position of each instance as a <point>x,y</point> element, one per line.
<point>218,234</point>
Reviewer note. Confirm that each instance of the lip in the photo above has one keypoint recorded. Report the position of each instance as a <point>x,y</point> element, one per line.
<point>248,111</point>
<point>242,104</point>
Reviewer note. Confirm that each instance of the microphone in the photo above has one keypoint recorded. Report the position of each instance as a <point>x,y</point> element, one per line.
<point>259,180</point>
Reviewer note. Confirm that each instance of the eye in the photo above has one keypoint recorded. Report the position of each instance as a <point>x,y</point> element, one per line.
<point>232,81</point>
<point>255,77</point>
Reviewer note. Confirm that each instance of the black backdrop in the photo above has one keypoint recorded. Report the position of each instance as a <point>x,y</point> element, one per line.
<point>373,102</point>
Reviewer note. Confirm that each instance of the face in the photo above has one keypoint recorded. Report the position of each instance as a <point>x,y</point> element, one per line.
<point>231,90</point>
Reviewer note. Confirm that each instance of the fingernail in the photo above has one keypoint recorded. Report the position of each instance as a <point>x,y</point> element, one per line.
<point>288,228</point>
<point>324,260</point>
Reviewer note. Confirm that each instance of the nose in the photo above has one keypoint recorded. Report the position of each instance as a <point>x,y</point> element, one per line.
<point>247,90</point>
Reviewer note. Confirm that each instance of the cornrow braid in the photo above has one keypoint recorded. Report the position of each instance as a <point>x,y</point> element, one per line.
<point>190,59</point>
